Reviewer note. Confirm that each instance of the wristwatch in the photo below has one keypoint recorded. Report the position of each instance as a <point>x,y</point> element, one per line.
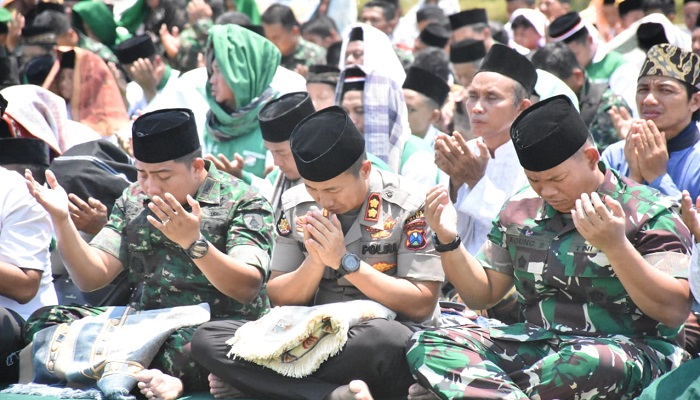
<point>348,264</point>
<point>199,248</point>
<point>441,248</point>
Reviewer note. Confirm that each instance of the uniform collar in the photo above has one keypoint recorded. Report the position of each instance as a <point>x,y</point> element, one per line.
<point>210,190</point>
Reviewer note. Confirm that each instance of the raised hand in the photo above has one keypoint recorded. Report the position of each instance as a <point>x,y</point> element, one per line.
<point>89,217</point>
<point>54,198</point>
<point>600,221</point>
<point>174,221</point>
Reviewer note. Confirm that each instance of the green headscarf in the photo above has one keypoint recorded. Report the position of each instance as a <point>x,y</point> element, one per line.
<point>98,17</point>
<point>133,16</point>
<point>248,63</point>
<point>249,8</point>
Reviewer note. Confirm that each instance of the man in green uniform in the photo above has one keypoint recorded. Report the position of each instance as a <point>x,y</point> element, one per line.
<point>282,29</point>
<point>186,233</point>
<point>595,99</point>
<point>600,265</point>
<point>351,232</point>
<point>572,30</point>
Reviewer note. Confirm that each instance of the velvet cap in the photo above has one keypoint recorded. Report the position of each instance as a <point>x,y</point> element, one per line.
<point>434,35</point>
<point>24,151</point>
<point>548,133</point>
<point>279,117</point>
<point>468,17</point>
<point>356,34</point>
<point>427,84</point>
<point>508,62</point>
<point>353,79</point>
<point>325,144</point>
<point>650,34</point>
<point>467,50</point>
<point>164,135</point>
<point>38,35</point>
<point>668,60</point>
<point>132,49</point>
<point>327,74</point>
<point>68,59</point>
<point>565,26</point>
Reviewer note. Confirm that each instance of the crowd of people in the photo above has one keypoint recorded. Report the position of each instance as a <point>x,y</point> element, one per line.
<point>482,209</point>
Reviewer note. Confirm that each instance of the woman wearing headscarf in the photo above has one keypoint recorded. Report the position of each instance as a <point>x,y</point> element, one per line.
<point>95,19</point>
<point>241,65</point>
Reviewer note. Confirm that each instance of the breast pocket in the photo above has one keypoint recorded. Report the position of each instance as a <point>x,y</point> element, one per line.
<point>529,250</point>
<point>139,248</point>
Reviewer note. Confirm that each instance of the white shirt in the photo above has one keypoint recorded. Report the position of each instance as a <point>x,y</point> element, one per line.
<point>135,97</point>
<point>25,237</point>
<point>478,206</point>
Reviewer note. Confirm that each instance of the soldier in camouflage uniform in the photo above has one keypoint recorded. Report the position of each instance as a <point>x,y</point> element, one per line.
<point>595,99</point>
<point>600,266</point>
<point>282,29</point>
<point>193,41</point>
<point>185,232</point>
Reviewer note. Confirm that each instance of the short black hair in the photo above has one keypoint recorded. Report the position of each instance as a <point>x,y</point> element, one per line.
<point>355,168</point>
<point>321,25</point>
<point>333,54</point>
<point>279,14</point>
<point>187,159</point>
<point>557,59</point>
<point>667,7</point>
<point>233,17</point>
<point>56,20</point>
<point>434,60</point>
<point>388,9</point>
<point>690,91</point>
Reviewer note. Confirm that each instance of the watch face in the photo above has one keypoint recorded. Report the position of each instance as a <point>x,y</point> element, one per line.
<point>199,249</point>
<point>351,262</point>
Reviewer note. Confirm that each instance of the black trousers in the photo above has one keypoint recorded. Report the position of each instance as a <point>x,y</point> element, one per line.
<point>374,353</point>
<point>11,325</point>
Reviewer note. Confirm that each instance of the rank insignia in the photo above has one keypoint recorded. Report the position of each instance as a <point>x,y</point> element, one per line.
<point>283,228</point>
<point>415,239</point>
<point>374,202</point>
<point>300,222</point>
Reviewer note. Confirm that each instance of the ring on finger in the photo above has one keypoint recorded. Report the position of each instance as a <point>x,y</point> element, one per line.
<point>166,221</point>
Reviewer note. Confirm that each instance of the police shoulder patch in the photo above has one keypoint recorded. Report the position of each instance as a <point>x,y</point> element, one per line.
<point>415,238</point>
<point>374,203</point>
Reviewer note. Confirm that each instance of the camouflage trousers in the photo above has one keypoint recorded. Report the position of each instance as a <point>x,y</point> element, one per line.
<point>467,363</point>
<point>174,357</point>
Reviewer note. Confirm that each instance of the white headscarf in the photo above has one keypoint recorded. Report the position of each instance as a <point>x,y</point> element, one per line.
<point>379,54</point>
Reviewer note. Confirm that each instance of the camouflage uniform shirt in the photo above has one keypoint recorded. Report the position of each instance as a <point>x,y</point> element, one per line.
<point>306,53</point>
<point>595,102</point>
<point>235,219</point>
<point>566,285</point>
<point>193,40</point>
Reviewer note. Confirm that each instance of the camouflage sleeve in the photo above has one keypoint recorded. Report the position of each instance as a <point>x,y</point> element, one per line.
<point>250,235</point>
<point>666,243</point>
<point>110,239</point>
<point>494,254</point>
<point>602,127</point>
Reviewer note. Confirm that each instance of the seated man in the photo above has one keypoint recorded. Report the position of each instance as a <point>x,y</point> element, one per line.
<point>373,245</point>
<point>25,266</point>
<point>186,233</point>
<point>600,265</point>
<point>662,149</point>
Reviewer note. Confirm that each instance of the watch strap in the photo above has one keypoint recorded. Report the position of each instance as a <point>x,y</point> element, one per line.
<point>441,248</point>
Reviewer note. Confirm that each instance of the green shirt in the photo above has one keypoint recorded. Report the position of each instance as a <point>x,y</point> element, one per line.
<point>235,219</point>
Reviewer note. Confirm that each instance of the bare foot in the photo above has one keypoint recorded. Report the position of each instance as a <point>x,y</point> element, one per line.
<point>418,392</point>
<point>355,390</point>
<point>158,386</point>
<point>222,390</point>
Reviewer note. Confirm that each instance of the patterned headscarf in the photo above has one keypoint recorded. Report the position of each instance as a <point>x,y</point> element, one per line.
<point>668,60</point>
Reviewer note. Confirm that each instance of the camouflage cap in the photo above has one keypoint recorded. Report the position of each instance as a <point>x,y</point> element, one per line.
<point>668,60</point>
